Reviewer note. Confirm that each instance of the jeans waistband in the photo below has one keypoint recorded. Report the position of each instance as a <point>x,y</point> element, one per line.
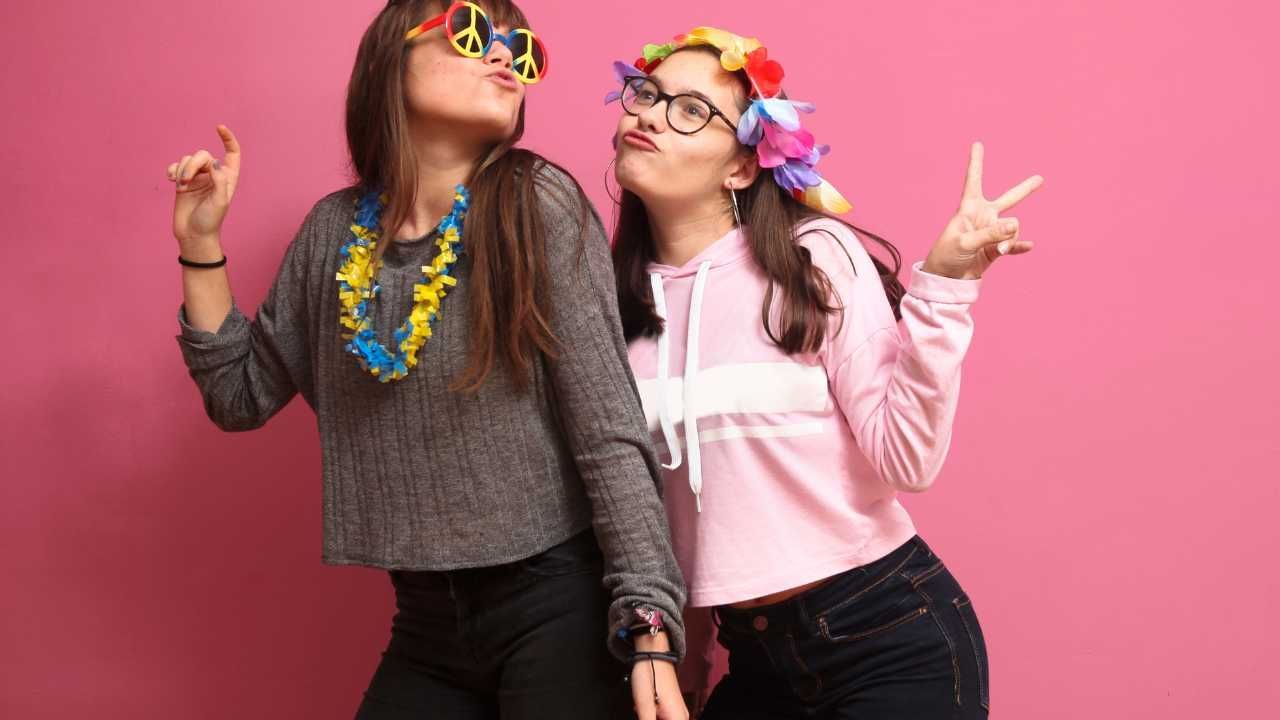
<point>803,608</point>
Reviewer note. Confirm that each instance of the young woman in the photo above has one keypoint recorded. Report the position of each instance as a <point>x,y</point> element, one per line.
<point>790,406</point>
<point>477,416</point>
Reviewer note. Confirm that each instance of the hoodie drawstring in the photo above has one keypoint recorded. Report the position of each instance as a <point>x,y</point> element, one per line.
<point>664,373</point>
<point>690,378</point>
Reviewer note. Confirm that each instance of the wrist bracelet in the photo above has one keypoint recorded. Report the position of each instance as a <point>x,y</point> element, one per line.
<point>202,265</point>
<point>651,656</point>
<point>650,620</point>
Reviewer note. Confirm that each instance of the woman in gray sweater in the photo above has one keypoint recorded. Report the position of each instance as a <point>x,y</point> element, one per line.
<point>477,415</point>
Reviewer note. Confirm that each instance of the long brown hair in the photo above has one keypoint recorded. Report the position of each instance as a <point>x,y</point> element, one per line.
<point>771,215</point>
<point>505,236</point>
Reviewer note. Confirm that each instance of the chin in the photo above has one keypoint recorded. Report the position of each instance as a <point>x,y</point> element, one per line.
<point>501,119</point>
<point>633,176</point>
<point>488,128</point>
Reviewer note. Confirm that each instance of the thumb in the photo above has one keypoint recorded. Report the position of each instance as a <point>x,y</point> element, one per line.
<point>1002,234</point>
<point>230,147</point>
<point>222,184</point>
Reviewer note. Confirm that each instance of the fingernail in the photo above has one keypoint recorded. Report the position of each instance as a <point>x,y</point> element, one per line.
<point>1003,247</point>
<point>1009,227</point>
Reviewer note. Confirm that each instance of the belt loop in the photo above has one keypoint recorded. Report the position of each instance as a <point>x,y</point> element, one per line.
<point>922,544</point>
<point>802,609</point>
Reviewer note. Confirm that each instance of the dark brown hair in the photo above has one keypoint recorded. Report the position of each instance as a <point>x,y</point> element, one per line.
<point>505,235</point>
<point>772,215</point>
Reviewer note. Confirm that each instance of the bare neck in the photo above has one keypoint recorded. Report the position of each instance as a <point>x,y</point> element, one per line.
<point>443,163</point>
<point>682,230</point>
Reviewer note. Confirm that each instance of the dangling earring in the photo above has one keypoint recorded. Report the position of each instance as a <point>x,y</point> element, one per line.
<point>608,173</point>
<point>737,216</point>
<point>616,198</point>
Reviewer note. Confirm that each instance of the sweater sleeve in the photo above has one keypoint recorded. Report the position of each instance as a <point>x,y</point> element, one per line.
<point>898,386</point>
<point>599,407</point>
<point>248,370</point>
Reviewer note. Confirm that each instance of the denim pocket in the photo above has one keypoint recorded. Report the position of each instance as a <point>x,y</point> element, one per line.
<point>876,603</point>
<point>577,555</point>
<point>969,619</point>
<point>893,604</point>
<point>834,631</point>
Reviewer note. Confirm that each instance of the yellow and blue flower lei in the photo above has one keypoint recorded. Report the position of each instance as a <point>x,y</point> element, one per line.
<point>357,286</point>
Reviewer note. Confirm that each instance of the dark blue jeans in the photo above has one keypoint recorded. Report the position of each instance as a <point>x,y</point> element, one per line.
<point>897,638</point>
<point>517,641</point>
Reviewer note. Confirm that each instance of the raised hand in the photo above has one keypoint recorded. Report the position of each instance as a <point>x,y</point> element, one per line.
<point>203,191</point>
<point>976,236</point>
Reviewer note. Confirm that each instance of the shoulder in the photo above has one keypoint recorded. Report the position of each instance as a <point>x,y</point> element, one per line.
<point>855,280</point>
<point>325,228</point>
<point>328,222</point>
<point>558,193</point>
<point>570,221</point>
<point>335,208</point>
<point>836,249</point>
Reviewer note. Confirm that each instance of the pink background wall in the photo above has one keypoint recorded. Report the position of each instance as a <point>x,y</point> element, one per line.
<point>1110,500</point>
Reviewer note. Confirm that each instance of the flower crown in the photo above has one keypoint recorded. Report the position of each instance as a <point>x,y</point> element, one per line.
<point>771,124</point>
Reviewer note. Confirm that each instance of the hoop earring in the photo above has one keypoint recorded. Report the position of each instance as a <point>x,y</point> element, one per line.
<point>737,216</point>
<point>608,172</point>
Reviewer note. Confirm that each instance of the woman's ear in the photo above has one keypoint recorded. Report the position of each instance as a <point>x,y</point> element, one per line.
<point>744,170</point>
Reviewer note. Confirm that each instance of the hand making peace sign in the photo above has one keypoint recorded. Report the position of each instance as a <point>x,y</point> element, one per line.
<point>977,236</point>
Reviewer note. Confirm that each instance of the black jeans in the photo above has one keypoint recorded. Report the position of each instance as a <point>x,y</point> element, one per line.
<point>897,638</point>
<point>515,641</point>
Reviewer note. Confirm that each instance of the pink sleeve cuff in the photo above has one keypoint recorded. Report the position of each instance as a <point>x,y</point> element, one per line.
<point>939,289</point>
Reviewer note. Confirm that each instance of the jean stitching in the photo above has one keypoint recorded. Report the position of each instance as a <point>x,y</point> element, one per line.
<point>795,653</point>
<point>930,572</point>
<point>765,647</point>
<point>822,615</point>
<point>826,629</point>
<point>984,692</point>
<point>951,646</point>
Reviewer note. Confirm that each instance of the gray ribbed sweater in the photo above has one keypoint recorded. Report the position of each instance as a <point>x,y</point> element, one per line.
<point>418,477</point>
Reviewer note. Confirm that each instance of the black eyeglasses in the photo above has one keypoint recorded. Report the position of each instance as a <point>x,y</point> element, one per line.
<point>692,113</point>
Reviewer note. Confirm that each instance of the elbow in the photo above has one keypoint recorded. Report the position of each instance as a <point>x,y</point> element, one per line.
<point>914,473</point>
<point>235,424</point>
<point>911,482</point>
<point>913,466</point>
<point>234,419</point>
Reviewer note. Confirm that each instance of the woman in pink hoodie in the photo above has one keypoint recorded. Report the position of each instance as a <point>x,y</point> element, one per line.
<point>788,405</point>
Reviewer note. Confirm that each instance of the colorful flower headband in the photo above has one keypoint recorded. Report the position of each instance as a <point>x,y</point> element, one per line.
<point>771,124</point>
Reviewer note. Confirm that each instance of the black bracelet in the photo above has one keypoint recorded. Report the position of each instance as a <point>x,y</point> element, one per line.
<point>202,265</point>
<point>651,656</point>
<point>663,656</point>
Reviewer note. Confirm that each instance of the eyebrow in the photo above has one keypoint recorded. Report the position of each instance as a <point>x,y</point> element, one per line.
<point>685,91</point>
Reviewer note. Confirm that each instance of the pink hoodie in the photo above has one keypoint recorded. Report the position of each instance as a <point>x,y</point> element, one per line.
<point>787,472</point>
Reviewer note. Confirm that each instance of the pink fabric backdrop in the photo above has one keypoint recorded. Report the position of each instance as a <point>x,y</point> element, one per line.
<point>1110,499</point>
